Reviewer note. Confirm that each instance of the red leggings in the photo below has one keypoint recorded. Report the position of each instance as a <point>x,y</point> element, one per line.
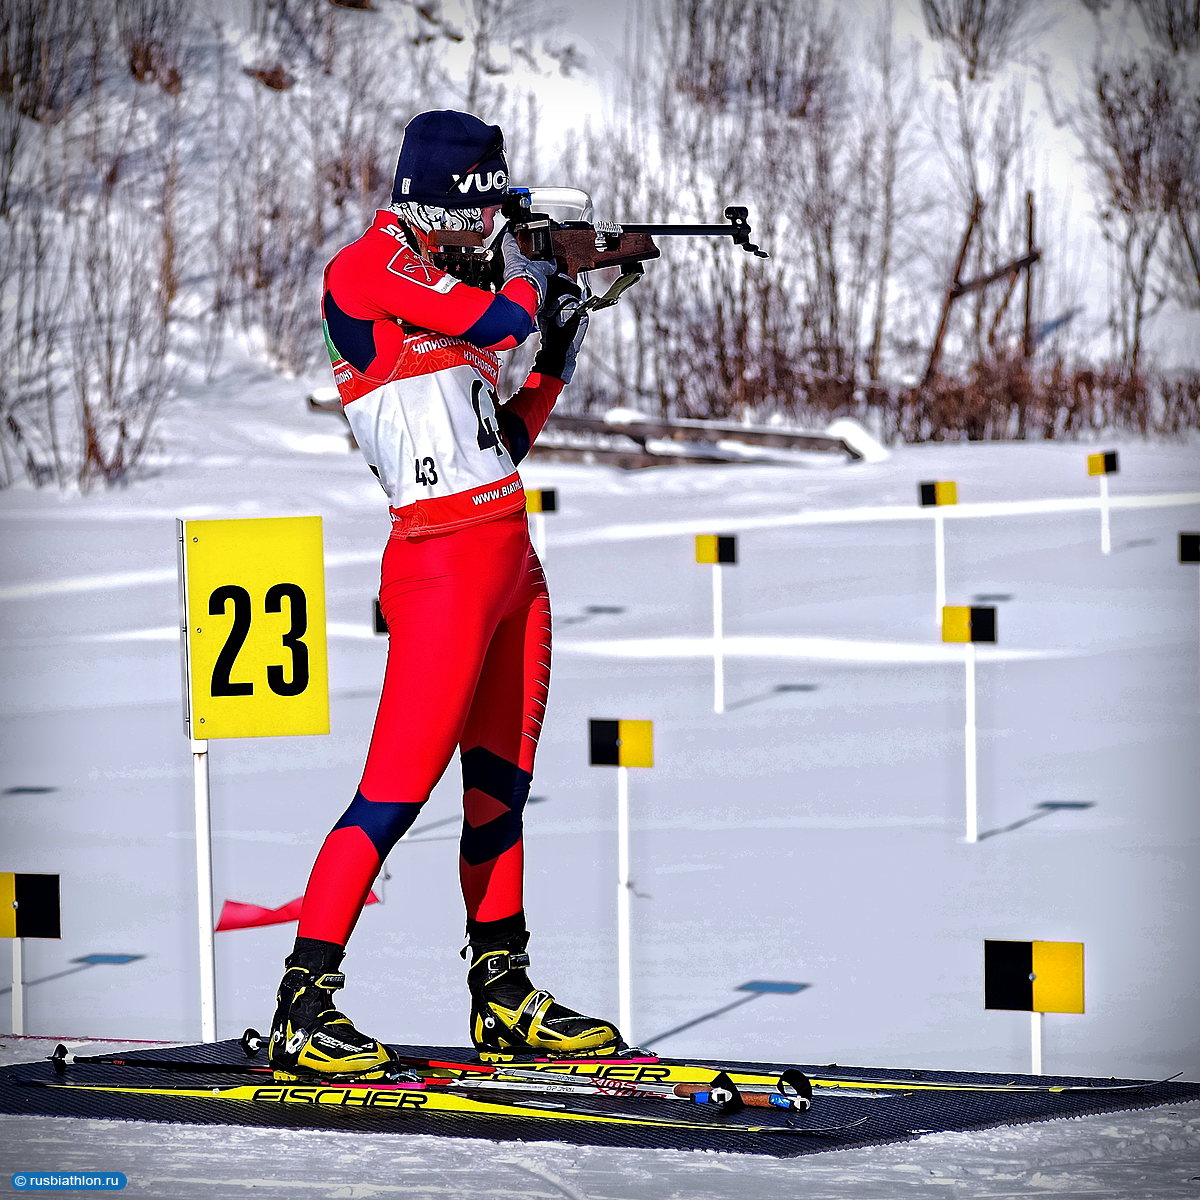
<point>469,666</point>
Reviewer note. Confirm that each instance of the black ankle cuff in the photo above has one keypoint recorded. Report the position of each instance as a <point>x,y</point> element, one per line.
<point>316,956</point>
<point>509,933</point>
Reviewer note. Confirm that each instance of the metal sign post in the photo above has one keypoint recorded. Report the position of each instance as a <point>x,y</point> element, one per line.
<point>970,625</point>
<point>18,986</point>
<point>204,893</point>
<point>538,502</point>
<point>1104,464</point>
<point>624,886</point>
<point>622,744</point>
<point>720,550</point>
<point>1189,548</point>
<point>718,641</point>
<point>971,744</point>
<point>254,660</point>
<point>938,494</point>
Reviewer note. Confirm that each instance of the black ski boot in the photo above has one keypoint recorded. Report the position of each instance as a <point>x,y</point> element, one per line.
<point>308,1035</point>
<point>509,1016</point>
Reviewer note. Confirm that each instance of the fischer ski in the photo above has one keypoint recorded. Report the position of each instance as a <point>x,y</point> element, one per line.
<point>834,1083</point>
<point>640,1070</point>
<point>790,1090</point>
<point>634,1069</point>
<point>420,1097</point>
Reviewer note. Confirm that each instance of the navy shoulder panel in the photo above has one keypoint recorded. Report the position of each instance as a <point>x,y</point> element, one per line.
<point>352,337</point>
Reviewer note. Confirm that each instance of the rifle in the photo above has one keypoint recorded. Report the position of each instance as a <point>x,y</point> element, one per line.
<point>587,245</point>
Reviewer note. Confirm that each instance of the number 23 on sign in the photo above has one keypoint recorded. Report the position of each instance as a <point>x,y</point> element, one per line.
<point>253,621</point>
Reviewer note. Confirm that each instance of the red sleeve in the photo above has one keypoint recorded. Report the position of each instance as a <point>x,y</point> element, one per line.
<point>525,414</point>
<point>378,279</point>
<point>534,401</point>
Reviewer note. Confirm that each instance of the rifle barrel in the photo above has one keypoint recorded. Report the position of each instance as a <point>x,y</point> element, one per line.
<point>681,230</point>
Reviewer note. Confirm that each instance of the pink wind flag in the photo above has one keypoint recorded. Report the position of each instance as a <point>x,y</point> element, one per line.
<point>236,915</point>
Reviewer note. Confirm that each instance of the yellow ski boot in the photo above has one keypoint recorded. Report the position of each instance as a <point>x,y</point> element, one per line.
<point>309,1036</point>
<point>509,1016</point>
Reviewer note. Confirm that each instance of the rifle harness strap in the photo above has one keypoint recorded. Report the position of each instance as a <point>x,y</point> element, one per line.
<point>630,274</point>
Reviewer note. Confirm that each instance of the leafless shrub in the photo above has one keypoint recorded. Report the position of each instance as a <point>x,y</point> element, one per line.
<point>891,103</point>
<point>351,135</point>
<point>118,343</point>
<point>1006,399</point>
<point>758,104</point>
<point>214,232</point>
<point>697,337</point>
<point>1141,131</point>
<point>102,143</point>
<point>50,54</point>
<point>985,143</point>
<point>11,139</point>
<point>32,295</point>
<point>274,77</point>
<point>291,33</point>
<point>273,259</point>
<point>1178,404</point>
<point>165,184</point>
<point>980,35</point>
<point>1173,24</point>
<point>488,21</point>
<point>150,33</point>
<point>353,172</point>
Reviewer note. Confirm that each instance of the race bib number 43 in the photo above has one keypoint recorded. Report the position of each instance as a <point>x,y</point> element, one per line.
<point>253,594</point>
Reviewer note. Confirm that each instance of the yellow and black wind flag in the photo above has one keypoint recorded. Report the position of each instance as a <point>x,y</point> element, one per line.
<point>541,501</point>
<point>1103,464</point>
<point>960,624</point>
<point>621,743</point>
<point>938,493</point>
<point>29,906</point>
<point>1033,976</point>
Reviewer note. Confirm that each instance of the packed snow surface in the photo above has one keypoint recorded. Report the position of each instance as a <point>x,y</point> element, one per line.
<point>812,833</point>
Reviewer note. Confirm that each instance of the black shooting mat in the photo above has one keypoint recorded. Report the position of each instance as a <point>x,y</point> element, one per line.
<point>896,1117</point>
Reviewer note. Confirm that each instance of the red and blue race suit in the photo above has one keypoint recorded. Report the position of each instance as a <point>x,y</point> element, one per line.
<point>415,358</point>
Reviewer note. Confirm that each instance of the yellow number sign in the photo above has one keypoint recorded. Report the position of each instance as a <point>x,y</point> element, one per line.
<point>255,659</point>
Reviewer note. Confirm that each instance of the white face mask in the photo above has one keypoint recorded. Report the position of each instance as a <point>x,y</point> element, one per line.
<point>428,217</point>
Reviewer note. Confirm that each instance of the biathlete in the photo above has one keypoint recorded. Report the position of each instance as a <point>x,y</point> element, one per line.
<point>415,354</point>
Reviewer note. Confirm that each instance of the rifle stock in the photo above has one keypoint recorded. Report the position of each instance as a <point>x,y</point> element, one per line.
<point>586,248</point>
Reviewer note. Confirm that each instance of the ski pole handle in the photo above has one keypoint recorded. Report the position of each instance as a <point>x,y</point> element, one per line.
<point>703,1093</point>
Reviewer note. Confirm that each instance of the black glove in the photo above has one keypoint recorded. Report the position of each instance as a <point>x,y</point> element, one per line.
<point>517,266</point>
<point>562,321</point>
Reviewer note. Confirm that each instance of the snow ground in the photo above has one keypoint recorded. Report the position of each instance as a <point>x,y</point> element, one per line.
<point>813,833</point>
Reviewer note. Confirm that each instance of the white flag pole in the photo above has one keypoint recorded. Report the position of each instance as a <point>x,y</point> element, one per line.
<point>970,732</point>
<point>204,893</point>
<point>1037,1028</point>
<point>1105,531</point>
<point>939,563</point>
<point>18,985</point>
<point>625,1005</point>
<point>718,643</point>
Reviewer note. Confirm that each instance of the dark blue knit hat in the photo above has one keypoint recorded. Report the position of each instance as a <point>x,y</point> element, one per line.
<point>451,159</point>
